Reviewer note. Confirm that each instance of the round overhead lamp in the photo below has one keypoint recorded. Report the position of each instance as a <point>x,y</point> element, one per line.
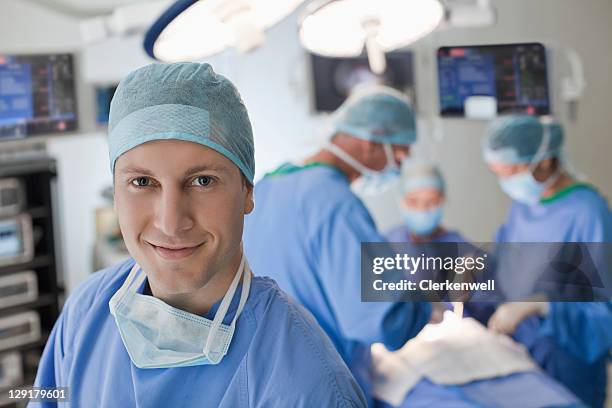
<point>194,29</point>
<point>342,28</point>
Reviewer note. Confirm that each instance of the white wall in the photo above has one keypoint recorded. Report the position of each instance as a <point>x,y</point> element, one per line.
<point>83,172</point>
<point>274,83</point>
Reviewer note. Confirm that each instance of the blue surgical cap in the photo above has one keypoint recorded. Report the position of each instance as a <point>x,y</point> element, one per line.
<point>516,139</point>
<point>183,101</point>
<point>378,114</point>
<point>418,173</point>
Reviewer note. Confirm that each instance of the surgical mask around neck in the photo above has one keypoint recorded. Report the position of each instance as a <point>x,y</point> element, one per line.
<point>421,222</point>
<point>371,182</point>
<point>523,187</point>
<point>157,335</point>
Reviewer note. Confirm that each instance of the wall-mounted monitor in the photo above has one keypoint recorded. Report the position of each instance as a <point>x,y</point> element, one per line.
<point>104,95</point>
<point>335,78</point>
<point>515,74</point>
<point>37,95</point>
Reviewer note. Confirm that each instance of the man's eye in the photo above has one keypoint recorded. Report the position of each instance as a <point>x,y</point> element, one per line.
<point>141,181</point>
<point>202,181</point>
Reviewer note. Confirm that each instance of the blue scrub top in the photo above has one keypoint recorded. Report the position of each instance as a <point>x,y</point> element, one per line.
<point>401,233</point>
<point>278,355</point>
<point>576,214</point>
<point>306,233</point>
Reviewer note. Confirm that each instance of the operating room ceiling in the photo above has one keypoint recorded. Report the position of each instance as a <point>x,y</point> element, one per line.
<point>85,8</point>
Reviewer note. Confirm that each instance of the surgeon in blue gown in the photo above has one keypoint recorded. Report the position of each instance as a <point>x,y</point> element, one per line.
<point>185,323</point>
<point>421,205</point>
<point>570,341</point>
<point>308,227</point>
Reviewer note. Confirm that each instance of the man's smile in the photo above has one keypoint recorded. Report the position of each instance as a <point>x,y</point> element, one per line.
<point>175,252</point>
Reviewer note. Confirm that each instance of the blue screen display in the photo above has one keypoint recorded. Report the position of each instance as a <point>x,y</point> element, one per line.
<point>15,93</point>
<point>515,74</point>
<point>10,238</point>
<point>37,95</point>
<point>104,95</point>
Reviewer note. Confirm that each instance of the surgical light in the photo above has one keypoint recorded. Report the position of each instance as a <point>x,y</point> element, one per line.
<point>342,28</point>
<point>194,29</point>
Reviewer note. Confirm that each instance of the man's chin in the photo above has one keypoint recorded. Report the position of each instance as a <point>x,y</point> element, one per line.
<point>179,282</point>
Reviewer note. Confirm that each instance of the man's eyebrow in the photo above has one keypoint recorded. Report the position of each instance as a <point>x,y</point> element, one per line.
<point>135,170</point>
<point>206,167</point>
<point>188,172</point>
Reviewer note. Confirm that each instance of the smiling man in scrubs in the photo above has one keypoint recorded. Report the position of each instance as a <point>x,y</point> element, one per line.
<point>184,323</point>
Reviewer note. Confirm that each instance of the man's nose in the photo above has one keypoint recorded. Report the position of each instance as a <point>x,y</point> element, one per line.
<point>173,215</point>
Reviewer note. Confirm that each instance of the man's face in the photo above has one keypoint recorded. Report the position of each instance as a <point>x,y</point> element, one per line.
<point>503,170</point>
<point>181,209</point>
<point>543,170</point>
<point>423,199</point>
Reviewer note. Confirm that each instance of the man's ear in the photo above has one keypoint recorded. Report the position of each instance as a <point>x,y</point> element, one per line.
<point>372,148</point>
<point>249,202</point>
<point>364,148</point>
<point>546,166</point>
<point>544,169</point>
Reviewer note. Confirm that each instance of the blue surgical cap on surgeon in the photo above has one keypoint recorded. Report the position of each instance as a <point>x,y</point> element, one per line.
<point>378,114</point>
<point>183,101</point>
<point>516,139</point>
<point>417,173</point>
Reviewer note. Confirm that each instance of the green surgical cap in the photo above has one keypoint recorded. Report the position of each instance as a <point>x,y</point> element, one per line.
<point>183,101</point>
<point>417,173</point>
<point>516,139</point>
<point>379,114</point>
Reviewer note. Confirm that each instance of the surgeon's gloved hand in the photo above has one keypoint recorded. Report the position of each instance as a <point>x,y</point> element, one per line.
<point>437,312</point>
<point>509,315</point>
<point>462,295</point>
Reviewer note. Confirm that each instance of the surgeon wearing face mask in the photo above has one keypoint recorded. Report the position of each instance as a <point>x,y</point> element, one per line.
<point>532,169</point>
<point>308,227</point>
<point>421,205</point>
<point>185,322</point>
<point>570,341</point>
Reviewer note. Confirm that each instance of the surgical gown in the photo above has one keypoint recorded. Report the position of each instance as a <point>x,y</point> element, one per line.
<point>532,389</point>
<point>278,357</point>
<point>576,214</point>
<point>401,233</point>
<point>306,233</point>
<point>564,320</point>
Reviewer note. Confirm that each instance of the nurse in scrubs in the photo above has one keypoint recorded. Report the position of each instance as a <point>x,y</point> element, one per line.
<point>421,205</point>
<point>185,323</point>
<point>571,341</point>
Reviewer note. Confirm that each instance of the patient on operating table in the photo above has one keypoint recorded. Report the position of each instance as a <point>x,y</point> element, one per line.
<point>459,360</point>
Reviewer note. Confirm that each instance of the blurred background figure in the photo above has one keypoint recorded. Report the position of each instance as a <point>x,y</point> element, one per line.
<point>421,205</point>
<point>549,205</point>
<point>307,216</point>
